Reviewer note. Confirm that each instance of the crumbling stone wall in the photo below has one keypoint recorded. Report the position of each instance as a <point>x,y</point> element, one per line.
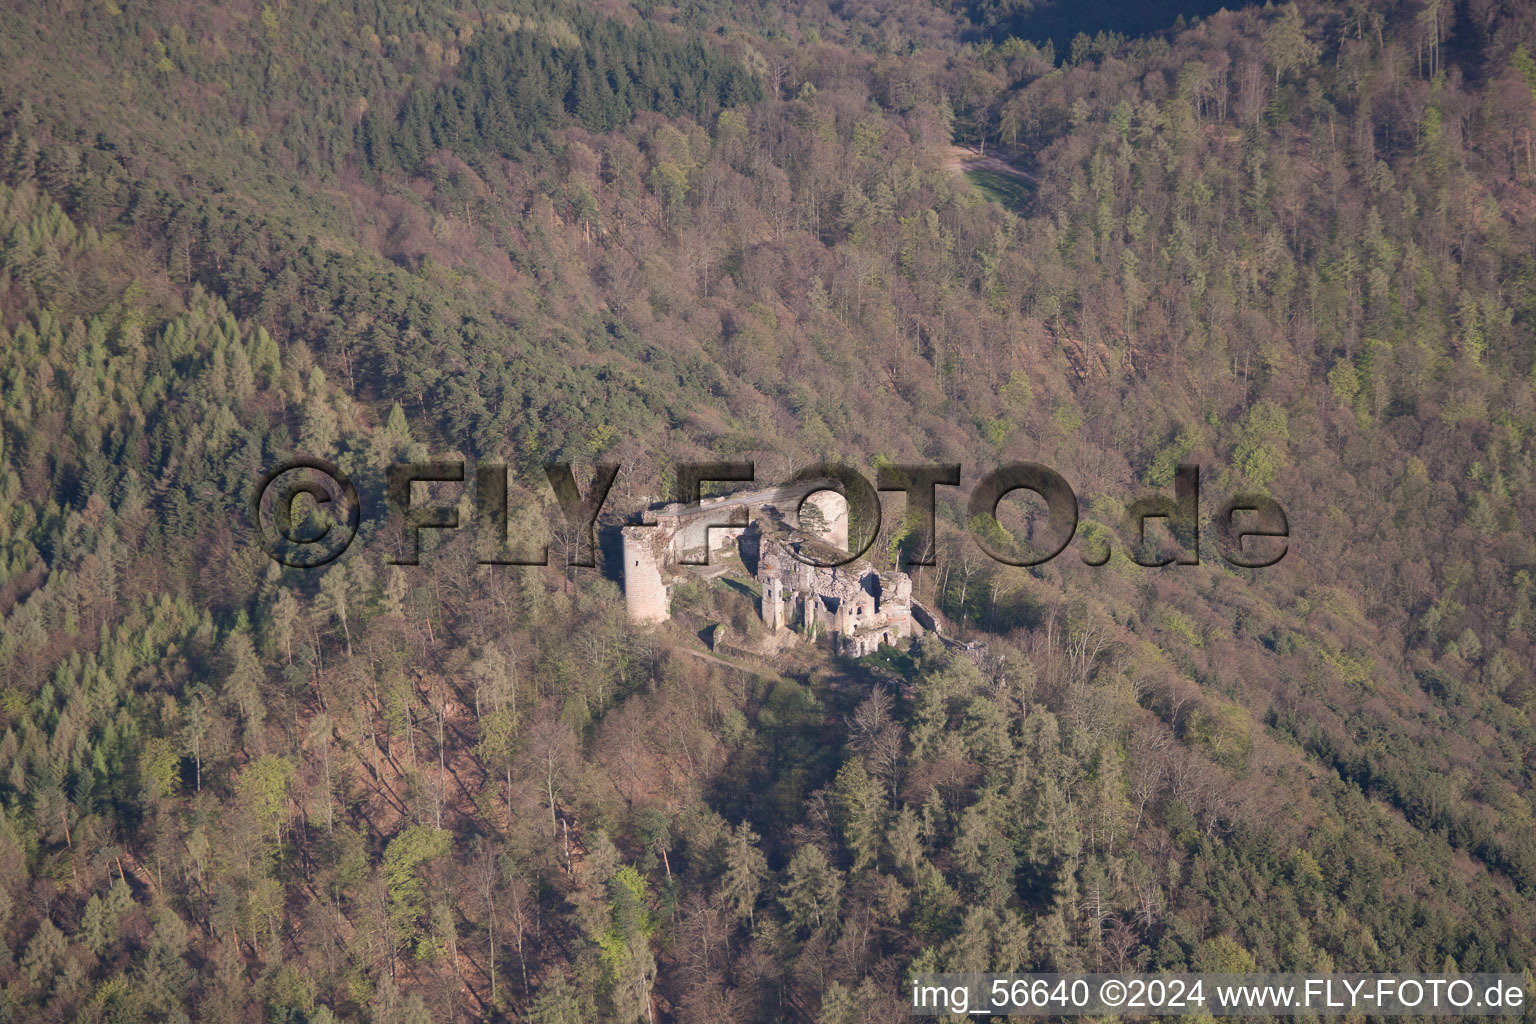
<point>861,608</point>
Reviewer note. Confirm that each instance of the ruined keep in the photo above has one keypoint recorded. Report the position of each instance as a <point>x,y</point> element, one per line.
<point>854,606</point>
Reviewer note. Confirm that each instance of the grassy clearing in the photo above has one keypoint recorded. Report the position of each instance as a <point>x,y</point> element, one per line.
<point>1001,188</point>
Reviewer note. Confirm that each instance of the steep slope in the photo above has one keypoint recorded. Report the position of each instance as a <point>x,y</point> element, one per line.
<point>1291,245</point>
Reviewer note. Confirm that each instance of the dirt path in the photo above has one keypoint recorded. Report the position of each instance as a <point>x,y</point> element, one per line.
<point>962,159</point>
<point>753,670</point>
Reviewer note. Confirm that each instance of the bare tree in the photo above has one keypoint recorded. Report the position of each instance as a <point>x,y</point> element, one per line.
<point>549,757</point>
<point>519,907</point>
<point>485,876</point>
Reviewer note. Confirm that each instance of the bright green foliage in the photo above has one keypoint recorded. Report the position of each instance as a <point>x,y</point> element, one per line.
<point>625,945</point>
<point>264,786</point>
<point>404,858</point>
<point>1261,453</point>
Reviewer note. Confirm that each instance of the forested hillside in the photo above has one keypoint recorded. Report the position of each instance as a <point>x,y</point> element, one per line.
<point>1295,245</point>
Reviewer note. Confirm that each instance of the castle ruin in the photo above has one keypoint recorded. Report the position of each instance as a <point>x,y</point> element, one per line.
<point>854,606</point>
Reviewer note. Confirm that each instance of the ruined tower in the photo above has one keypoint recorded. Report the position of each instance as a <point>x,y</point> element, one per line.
<point>645,595</point>
<point>773,604</point>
